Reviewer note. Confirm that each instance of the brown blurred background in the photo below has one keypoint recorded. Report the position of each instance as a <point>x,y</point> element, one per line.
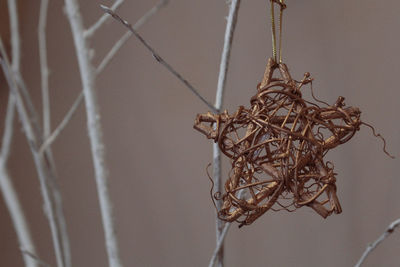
<point>160,190</point>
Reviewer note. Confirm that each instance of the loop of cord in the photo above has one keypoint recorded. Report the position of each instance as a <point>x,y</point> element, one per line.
<point>282,6</point>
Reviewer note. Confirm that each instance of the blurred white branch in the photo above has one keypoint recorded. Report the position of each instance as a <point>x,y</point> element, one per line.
<point>89,32</point>
<point>8,131</point>
<point>6,186</point>
<point>373,245</point>
<point>44,69</point>
<point>15,40</point>
<point>17,215</point>
<point>33,116</point>
<point>8,191</point>
<point>223,70</point>
<point>53,136</point>
<point>221,239</point>
<point>35,258</point>
<point>220,243</point>
<point>88,77</point>
<point>33,140</point>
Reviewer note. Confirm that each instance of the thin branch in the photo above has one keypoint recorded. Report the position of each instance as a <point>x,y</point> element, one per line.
<point>226,52</point>
<point>15,39</point>
<point>99,69</point>
<point>8,190</point>
<point>49,166</point>
<point>63,124</point>
<point>223,70</point>
<point>158,57</point>
<point>217,178</point>
<point>44,163</point>
<point>44,69</point>
<point>17,215</point>
<point>128,34</point>
<point>88,78</point>
<point>16,57</point>
<point>89,32</point>
<point>372,246</point>
<point>221,239</point>
<point>8,131</point>
<point>32,137</point>
<point>33,116</point>
<point>35,258</point>
<point>220,243</point>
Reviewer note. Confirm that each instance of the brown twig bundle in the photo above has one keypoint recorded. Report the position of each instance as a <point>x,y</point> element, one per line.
<point>277,148</point>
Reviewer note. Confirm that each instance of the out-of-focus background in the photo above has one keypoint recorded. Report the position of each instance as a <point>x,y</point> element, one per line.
<point>159,187</point>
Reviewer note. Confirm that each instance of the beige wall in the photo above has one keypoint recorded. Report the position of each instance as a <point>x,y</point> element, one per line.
<point>157,161</point>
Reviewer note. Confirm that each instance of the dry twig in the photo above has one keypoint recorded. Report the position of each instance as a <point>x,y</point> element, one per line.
<point>44,69</point>
<point>42,162</point>
<point>39,261</point>
<point>223,70</point>
<point>128,34</point>
<point>88,78</point>
<point>220,241</point>
<point>89,32</point>
<point>373,245</point>
<point>8,190</point>
<point>157,57</point>
<point>99,70</point>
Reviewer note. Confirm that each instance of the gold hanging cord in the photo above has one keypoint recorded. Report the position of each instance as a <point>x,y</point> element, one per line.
<point>282,6</point>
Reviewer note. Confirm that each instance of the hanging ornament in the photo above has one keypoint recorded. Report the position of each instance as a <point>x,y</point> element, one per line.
<point>277,146</point>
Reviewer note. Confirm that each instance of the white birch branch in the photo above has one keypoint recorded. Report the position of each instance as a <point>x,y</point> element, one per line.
<point>373,245</point>
<point>44,69</point>
<point>100,69</point>
<point>62,124</point>
<point>8,131</point>
<point>220,243</point>
<point>15,40</point>
<point>17,216</point>
<point>221,239</point>
<point>89,32</point>
<point>32,138</point>
<point>223,70</point>
<point>88,78</point>
<point>158,58</point>
<point>35,258</point>
<point>45,165</point>
<point>6,186</point>
<point>8,191</point>
<point>33,116</point>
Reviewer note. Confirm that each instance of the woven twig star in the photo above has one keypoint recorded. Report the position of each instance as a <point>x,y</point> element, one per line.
<point>277,148</point>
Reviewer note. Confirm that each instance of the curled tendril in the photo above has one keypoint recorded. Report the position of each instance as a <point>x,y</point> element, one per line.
<point>378,135</point>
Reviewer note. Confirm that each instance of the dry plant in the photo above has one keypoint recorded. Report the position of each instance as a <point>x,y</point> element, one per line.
<point>40,137</point>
